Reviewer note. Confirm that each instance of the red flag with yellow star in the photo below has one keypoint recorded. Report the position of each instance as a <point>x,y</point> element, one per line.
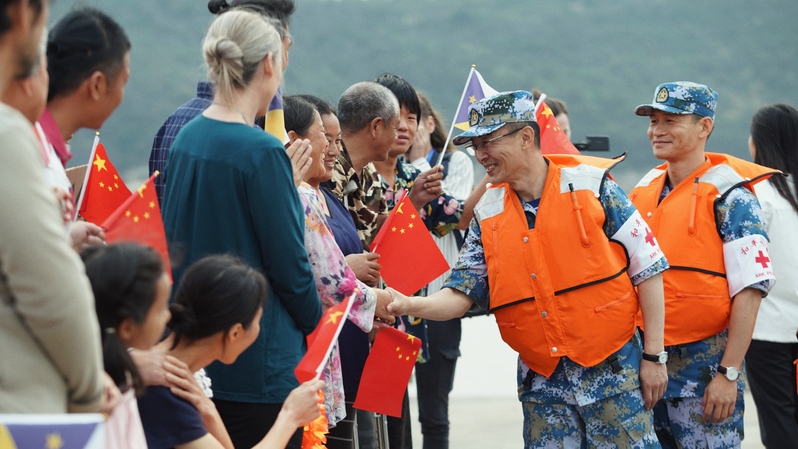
<point>409,257</point>
<point>552,138</point>
<point>104,190</point>
<point>138,219</point>
<point>321,341</point>
<point>387,371</point>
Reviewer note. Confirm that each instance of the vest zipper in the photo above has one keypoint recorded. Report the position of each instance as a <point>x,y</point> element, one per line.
<point>578,209</point>
<point>691,228</point>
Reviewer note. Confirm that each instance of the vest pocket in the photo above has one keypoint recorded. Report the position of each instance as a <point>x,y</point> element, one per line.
<point>520,327</point>
<point>698,296</point>
<point>614,303</point>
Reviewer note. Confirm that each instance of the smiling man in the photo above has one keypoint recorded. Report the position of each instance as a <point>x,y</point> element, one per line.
<point>703,211</point>
<point>555,251</point>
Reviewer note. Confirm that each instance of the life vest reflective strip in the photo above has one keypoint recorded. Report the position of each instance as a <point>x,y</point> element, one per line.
<point>559,289</point>
<point>697,299</point>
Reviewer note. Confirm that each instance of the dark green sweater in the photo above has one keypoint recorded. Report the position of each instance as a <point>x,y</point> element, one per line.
<point>229,189</point>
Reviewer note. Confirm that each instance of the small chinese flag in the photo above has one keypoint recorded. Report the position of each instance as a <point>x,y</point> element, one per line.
<point>409,257</point>
<point>138,219</point>
<point>321,341</point>
<point>104,190</point>
<point>552,138</point>
<point>387,371</point>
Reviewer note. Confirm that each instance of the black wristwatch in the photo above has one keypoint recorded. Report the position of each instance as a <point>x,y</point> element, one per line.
<point>661,358</point>
<point>730,372</point>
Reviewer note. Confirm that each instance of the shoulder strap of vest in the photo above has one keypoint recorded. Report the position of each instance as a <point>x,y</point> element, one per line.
<point>653,174</point>
<point>728,172</point>
<point>583,172</point>
<point>570,160</point>
<point>491,203</point>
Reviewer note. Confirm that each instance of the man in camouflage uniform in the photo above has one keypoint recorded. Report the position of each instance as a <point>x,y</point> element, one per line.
<point>703,211</point>
<point>580,377</point>
<point>369,115</point>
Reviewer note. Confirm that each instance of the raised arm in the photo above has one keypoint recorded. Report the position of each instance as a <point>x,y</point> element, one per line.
<point>444,305</point>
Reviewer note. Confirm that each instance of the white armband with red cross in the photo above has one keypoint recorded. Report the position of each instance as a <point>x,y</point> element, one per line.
<point>747,261</point>
<point>640,244</point>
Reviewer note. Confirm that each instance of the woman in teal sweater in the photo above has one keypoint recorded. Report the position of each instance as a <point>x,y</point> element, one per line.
<point>230,190</point>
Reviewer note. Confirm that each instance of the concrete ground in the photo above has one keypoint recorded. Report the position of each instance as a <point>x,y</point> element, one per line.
<point>484,411</point>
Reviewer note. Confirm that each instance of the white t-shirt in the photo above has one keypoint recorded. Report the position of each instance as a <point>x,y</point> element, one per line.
<point>777,320</point>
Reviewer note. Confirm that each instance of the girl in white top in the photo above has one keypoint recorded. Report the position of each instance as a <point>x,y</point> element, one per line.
<point>774,347</point>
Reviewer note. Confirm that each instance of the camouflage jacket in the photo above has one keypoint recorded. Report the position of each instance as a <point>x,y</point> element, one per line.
<point>362,194</point>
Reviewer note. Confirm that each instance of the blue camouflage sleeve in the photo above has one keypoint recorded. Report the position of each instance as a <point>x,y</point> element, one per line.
<point>740,215</point>
<point>470,273</point>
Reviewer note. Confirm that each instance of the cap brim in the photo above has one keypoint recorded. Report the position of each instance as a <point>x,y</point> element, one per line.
<point>645,109</point>
<point>476,131</point>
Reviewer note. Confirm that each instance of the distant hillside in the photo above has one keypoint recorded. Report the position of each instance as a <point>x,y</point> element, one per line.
<point>602,58</point>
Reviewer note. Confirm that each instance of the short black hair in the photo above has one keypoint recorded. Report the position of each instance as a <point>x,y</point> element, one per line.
<point>404,92</point>
<point>82,42</point>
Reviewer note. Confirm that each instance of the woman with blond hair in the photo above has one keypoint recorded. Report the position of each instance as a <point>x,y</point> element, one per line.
<point>229,189</point>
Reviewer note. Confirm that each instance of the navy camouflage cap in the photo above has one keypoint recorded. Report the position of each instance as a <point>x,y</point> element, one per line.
<point>491,113</point>
<point>682,97</point>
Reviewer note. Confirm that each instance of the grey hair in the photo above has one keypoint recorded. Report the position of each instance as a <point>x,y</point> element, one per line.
<point>363,102</point>
<point>236,43</point>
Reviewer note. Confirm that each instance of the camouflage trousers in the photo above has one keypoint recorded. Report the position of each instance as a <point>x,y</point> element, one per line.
<point>679,423</point>
<point>619,421</point>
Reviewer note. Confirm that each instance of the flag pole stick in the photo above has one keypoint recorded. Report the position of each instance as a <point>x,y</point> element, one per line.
<point>454,119</point>
<point>86,176</point>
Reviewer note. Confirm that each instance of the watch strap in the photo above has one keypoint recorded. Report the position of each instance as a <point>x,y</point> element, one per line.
<point>651,357</point>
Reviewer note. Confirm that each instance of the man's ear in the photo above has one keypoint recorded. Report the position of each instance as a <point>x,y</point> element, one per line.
<point>96,85</point>
<point>528,137</point>
<point>376,126</point>
<point>707,125</point>
<point>26,86</point>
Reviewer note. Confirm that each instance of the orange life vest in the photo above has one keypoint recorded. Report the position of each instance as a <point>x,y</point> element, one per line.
<point>560,289</point>
<point>697,298</point>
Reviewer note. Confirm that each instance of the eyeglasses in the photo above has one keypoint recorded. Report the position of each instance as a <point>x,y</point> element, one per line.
<point>472,148</point>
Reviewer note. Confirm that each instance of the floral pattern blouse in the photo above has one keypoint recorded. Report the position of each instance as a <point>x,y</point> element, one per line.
<point>334,282</point>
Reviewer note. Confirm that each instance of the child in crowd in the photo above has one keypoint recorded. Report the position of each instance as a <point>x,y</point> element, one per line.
<point>131,292</point>
<point>215,316</point>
